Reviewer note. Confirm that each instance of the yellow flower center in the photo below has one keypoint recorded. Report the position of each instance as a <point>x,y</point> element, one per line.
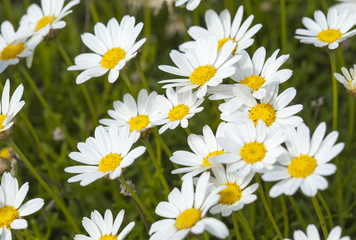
<point>223,41</point>
<point>178,112</point>
<point>5,152</point>
<point>188,218</point>
<point>139,122</point>
<point>329,35</point>
<point>231,194</point>
<point>112,57</point>
<point>202,74</point>
<point>11,51</point>
<point>254,82</point>
<point>302,166</point>
<point>108,237</point>
<point>44,21</point>
<point>2,119</point>
<point>206,162</point>
<point>263,111</point>
<point>8,215</point>
<point>350,85</point>
<point>253,152</point>
<point>110,162</point>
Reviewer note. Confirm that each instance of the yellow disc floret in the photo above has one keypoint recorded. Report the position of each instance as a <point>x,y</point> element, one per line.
<point>231,194</point>
<point>254,82</point>
<point>178,112</point>
<point>139,122</point>
<point>206,162</point>
<point>44,22</point>
<point>329,35</point>
<point>202,74</point>
<point>8,215</point>
<point>2,119</point>
<point>11,51</point>
<point>112,57</point>
<point>188,218</point>
<point>5,152</point>
<point>263,111</point>
<point>223,41</point>
<point>253,152</point>
<point>302,166</point>
<point>108,237</point>
<point>110,162</point>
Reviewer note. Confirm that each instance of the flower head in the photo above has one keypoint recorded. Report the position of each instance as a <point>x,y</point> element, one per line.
<point>348,80</point>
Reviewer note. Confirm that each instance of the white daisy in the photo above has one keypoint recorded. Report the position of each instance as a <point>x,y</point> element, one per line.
<point>201,67</point>
<point>256,74</point>
<point>306,161</point>
<point>313,234</point>
<point>176,109</point>
<point>327,31</point>
<point>273,109</point>
<point>11,211</point>
<point>249,148</point>
<point>9,107</point>
<point>113,46</point>
<point>191,4</point>
<point>186,210</point>
<point>236,194</point>
<point>225,30</point>
<point>12,47</point>
<point>348,80</point>
<point>104,228</point>
<point>205,148</point>
<point>42,20</point>
<point>107,154</point>
<point>139,116</point>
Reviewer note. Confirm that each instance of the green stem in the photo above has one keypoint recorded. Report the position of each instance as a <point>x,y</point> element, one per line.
<point>283,26</point>
<point>236,226</point>
<point>29,79</point>
<point>325,206</point>
<point>267,209</point>
<point>285,216</point>
<point>298,212</point>
<point>44,184</point>
<point>187,130</point>
<point>93,12</point>
<point>8,10</point>
<point>334,83</point>
<point>320,216</point>
<point>351,120</point>
<point>162,142</point>
<point>245,225</point>
<point>143,76</point>
<point>128,84</point>
<point>137,199</point>
<point>324,5</point>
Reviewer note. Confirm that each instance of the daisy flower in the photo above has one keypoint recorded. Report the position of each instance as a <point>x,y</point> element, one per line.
<point>205,148</point>
<point>186,210</point>
<point>41,21</point>
<point>306,162</point>
<point>273,109</point>
<point>113,46</point>
<point>11,208</point>
<point>313,234</point>
<point>9,107</point>
<point>107,154</point>
<point>176,109</point>
<point>12,47</point>
<point>256,74</point>
<point>139,116</point>
<point>191,4</point>
<point>348,80</point>
<point>327,31</point>
<point>249,148</point>
<point>225,30</point>
<point>201,67</point>
<point>104,228</point>
<point>236,194</point>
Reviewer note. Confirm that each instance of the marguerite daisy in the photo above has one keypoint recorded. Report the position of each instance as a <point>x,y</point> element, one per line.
<point>306,161</point>
<point>113,46</point>
<point>191,4</point>
<point>256,74</point>
<point>348,80</point>
<point>327,31</point>
<point>205,148</point>
<point>201,67</point>
<point>236,194</point>
<point>107,154</point>
<point>176,109</point>
<point>104,228</point>
<point>11,211</point>
<point>250,148</point>
<point>139,116</point>
<point>9,107</point>
<point>42,20</point>
<point>186,210</point>
<point>313,234</point>
<point>225,30</point>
